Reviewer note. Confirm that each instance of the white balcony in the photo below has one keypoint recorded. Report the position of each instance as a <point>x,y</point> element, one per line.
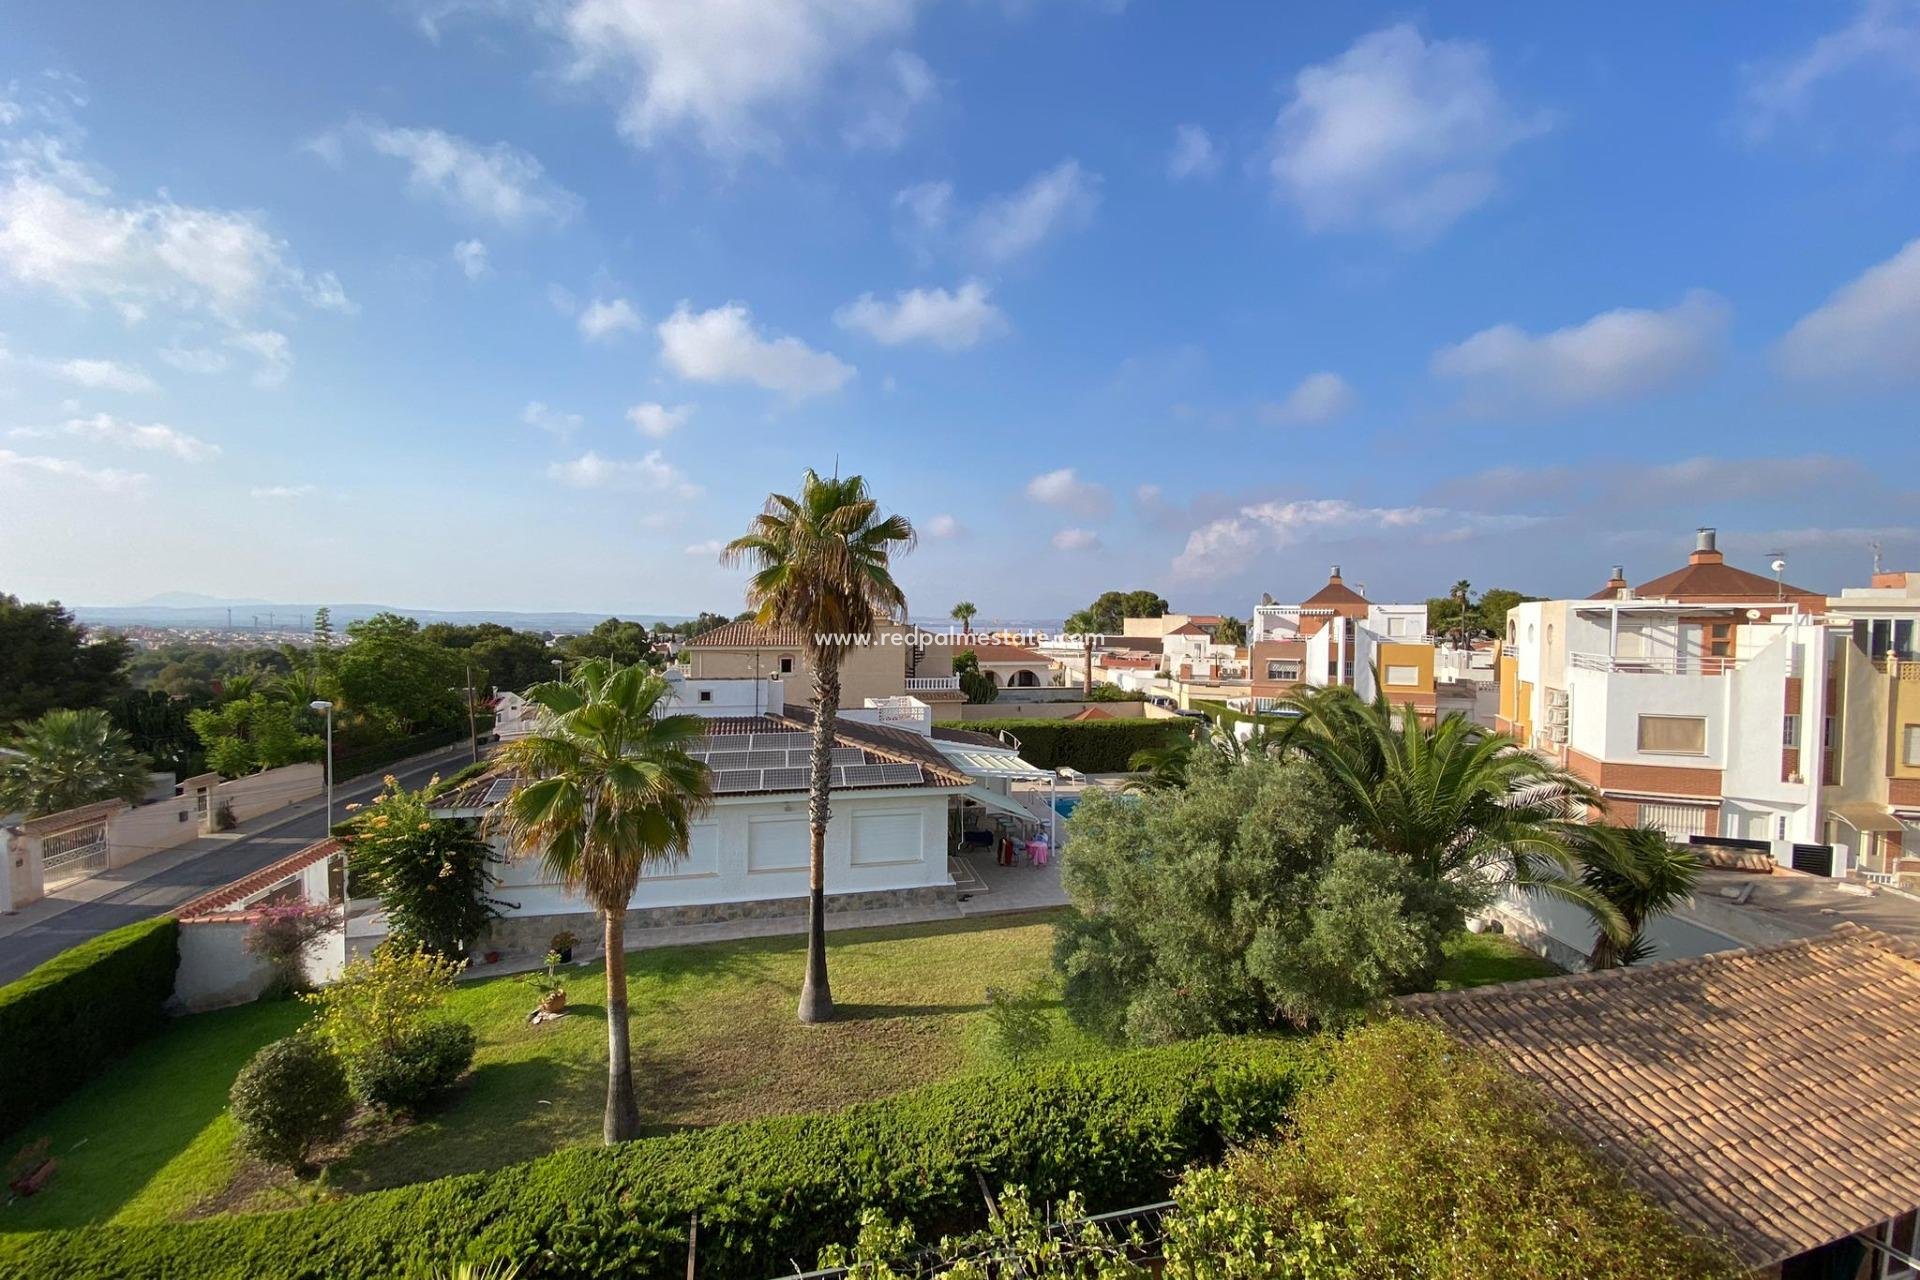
<point>933,684</point>
<point>1670,664</point>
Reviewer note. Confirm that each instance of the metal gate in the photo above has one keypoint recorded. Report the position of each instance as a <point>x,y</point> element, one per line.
<point>1814,859</point>
<point>1679,821</point>
<point>74,853</point>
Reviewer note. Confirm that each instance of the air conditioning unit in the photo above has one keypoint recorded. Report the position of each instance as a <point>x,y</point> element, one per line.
<point>1557,734</point>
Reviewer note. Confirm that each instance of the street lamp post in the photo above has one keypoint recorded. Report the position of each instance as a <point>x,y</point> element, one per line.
<point>322,705</point>
<point>559,668</point>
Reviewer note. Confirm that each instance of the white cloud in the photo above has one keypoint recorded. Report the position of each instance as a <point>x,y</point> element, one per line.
<point>107,375</point>
<point>1398,132</point>
<point>651,474</point>
<point>1193,154</point>
<point>603,320</point>
<point>952,321</point>
<point>194,359</point>
<point>907,85</point>
<point>471,257</point>
<point>722,345</point>
<point>927,207</point>
<point>1064,488</point>
<point>495,182</point>
<point>1320,397</point>
<point>1223,546</point>
<point>1076,540</point>
<point>944,526</point>
<point>1883,33</point>
<point>1010,226</point>
<point>1869,328</point>
<point>32,467</point>
<point>1616,355</point>
<point>271,349</point>
<point>710,549</point>
<point>732,73</point>
<point>658,420</point>
<point>154,437</point>
<point>549,419</point>
<point>73,240</point>
<point>281,492</point>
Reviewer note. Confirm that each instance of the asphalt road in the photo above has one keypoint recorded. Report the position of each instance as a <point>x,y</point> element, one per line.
<point>217,861</point>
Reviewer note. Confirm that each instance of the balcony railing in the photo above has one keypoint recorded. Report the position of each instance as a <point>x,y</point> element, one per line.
<point>1662,665</point>
<point>932,684</point>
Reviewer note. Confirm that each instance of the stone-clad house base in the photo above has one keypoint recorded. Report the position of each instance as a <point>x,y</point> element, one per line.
<point>529,935</point>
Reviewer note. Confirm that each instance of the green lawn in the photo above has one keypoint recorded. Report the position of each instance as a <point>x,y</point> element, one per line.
<point>714,1039</point>
<point>1479,959</point>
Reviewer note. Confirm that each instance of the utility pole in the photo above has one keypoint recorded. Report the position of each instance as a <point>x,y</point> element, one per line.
<point>473,725</point>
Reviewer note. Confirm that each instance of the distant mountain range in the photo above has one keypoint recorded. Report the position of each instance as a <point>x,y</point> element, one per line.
<point>192,610</point>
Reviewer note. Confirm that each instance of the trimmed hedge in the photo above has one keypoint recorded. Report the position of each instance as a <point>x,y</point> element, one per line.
<point>769,1193</point>
<point>65,1021</point>
<point>1091,746</point>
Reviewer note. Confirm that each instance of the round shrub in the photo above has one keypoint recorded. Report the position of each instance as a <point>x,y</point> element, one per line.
<point>417,1071</point>
<point>290,1096</point>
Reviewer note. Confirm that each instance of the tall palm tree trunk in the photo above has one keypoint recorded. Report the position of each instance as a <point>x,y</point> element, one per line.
<point>1086,687</point>
<point>816,996</point>
<point>622,1120</point>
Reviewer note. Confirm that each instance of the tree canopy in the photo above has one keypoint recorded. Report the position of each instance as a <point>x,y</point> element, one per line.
<point>49,661</point>
<point>1113,606</point>
<point>67,759</point>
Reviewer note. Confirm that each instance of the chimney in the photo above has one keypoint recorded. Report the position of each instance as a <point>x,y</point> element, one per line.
<point>1333,574</point>
<point>1704,550</point>
<point>1617,581</point>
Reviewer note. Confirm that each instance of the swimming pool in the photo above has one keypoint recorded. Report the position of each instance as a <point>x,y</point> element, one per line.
<point>1063,805</point>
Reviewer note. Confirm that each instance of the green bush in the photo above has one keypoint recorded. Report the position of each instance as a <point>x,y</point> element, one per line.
<point>65,1021</point>
<point>769,1193</point>
<point>290,1097</point>
<point>1091,746</point>
<point>417,1072</point>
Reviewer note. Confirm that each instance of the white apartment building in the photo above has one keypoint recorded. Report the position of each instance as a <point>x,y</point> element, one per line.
<point>1715,702</point>
<point>1338,636</point>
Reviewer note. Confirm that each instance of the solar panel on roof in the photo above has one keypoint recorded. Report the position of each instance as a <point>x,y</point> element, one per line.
<point>728,760</point>
<point>849,755</point>
<point>779,741</point>
<point>864,775</point>
<point>799,757</point>
<point>901,773</point>
<point>838,778</point>
<point>500,790</point>
<point>699,745</point>
<point>783,779</point>
<point>737,780</point>
<point>759,759</point>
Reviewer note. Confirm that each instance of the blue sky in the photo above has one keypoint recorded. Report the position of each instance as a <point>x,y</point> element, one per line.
<point>467,303</point>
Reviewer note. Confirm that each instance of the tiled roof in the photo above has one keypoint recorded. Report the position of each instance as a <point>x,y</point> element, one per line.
<point>745,634</point>
<point>1718,581</point>
<point>1763,1096</point>
<point>233,896</point>
<point>972,737</point>
<point>1335,592</point>
<point>1186,629</point>
<point>996,651</point>
<point>1091,713</point>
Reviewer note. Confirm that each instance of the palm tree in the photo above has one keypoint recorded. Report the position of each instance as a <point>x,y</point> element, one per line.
<point>1457,801</point>
<point>1084,624</point>
<point>67,759</point>
<point>822,566</point>
<point>1461,590</point>
<point>1642,873</point>
<point>962,613</point>
<point>606,788</point>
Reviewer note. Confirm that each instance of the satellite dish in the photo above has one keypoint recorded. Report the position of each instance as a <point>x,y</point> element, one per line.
<point>1754,614</point>
<point>1779,566</point>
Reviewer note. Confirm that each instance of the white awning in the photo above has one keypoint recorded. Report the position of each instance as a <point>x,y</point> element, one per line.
<point>1867,817</point>
<point>991,762</point>
<point>994,800</point>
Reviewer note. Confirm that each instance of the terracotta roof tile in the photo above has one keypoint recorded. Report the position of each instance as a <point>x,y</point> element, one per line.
<point>1763,1095</point>
<point>745,634</point>
<point>228,898</point>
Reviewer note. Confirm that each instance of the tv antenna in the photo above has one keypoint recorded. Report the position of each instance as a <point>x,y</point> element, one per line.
<point>1875,544</point>
<point>1779,568</point>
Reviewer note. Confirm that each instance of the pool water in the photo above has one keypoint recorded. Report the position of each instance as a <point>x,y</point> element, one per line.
<point>1063,805</point>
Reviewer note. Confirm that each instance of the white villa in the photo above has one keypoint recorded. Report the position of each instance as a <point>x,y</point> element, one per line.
<point>902,793</point>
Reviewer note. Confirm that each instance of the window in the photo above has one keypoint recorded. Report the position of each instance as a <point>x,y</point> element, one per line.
<point>1910,745</point>
<point>1790,730</point>
<point>1826,734</point>
<point>1403,676</point>
<point>1277,670</point>
<point>706,695</point>
<point>786,666</point>
<point>1398,625</point>
<point>1903,1234</point>
<point>1673,735</point>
